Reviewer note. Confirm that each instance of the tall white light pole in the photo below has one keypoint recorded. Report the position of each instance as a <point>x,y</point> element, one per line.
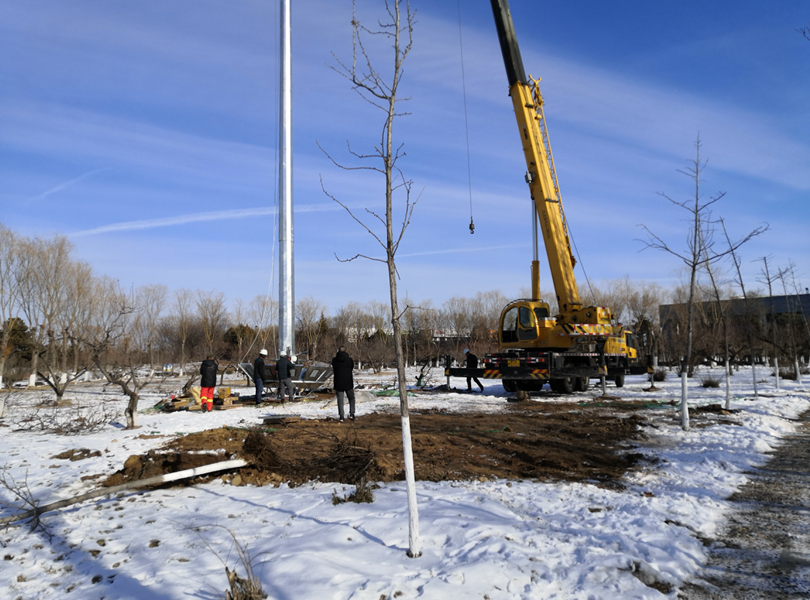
<point>286,279</point>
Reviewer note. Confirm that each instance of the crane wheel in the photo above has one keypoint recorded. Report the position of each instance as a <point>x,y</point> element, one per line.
<point>619,380</point>
<point>563,385</point>
<point>581,384</point>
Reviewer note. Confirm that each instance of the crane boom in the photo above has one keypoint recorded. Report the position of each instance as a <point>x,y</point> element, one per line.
<point>580,342</point>
<point>541,174</point>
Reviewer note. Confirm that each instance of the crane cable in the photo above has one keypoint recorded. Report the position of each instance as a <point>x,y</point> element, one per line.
<point>466,124</point>
<point>274,238</point>
<point>581,264</point>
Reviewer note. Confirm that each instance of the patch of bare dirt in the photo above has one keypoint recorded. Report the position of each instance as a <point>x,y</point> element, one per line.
<point>532,440</point>
<point>187,452</point>
<point>77,454</point>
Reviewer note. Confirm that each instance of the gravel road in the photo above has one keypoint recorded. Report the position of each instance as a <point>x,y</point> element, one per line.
<point>764,550</point>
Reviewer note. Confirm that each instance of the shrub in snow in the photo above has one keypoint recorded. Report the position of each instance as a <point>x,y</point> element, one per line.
<point>710,382</point>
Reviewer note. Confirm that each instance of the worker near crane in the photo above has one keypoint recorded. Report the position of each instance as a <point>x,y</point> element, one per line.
<point>259,375</point>
<point>284,368</point>
<point>342,367</point>
<point>208,380</point>
<point>472,363</point>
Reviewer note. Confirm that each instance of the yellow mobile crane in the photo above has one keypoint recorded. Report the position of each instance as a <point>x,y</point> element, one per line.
<point>580,342</point>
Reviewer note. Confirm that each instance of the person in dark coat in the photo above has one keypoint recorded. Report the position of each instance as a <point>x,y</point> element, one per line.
<point>284,368</point>
<point>208,380</point>
<point>472,363</point>
<point>259,375</point>
<point>342,366</point>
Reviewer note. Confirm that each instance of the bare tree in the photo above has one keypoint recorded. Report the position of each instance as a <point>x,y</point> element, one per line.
<point>183,299</point>
<point>799,306</point>
<point>769,279</point>
<point>261,310</point>
<point>347,322</point>
<point>721,309</point>
<point>111,312</point>
<point>213,316</point>
<point>44,268</point>
<point>54,291</point>
<point>698,253</point>
<point>791,321</point>
<point>382,93</point>
<point>10,272</point>
<point>750,330</point>
<point>421,323</point>
<point>240,330</point>
<point>70,318</point>
<point>151,300</point>
<point>457,316</point>
<point>309,314</point>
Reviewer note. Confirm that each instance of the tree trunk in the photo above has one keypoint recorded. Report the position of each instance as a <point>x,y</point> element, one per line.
<point>132,410</point>
<point>407,447</point>
<point>32,379</point>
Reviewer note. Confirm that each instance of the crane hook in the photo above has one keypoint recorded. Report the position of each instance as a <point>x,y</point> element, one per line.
<point>472,226</point>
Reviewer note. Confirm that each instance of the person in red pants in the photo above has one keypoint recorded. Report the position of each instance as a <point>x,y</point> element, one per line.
<point>208,372</point>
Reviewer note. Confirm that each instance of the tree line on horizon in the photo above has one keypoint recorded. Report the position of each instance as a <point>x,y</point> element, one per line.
<point>59,319</point>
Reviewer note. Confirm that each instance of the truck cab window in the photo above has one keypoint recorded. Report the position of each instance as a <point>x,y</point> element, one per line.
<point>528,324</point>
<point>509,331</point>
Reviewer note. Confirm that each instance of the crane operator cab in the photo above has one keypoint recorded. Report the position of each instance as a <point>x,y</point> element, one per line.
<point>525,321</point>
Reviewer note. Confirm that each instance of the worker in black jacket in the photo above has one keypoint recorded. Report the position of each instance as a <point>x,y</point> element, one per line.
<point>208,380</point>
<point>472,363</point>
<point>284,368</point>
<point>342,366</point>
<point>259,375</point>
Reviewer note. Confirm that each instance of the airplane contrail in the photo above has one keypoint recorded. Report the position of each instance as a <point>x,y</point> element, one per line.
<point>66,184</point>
<point>217,215</point>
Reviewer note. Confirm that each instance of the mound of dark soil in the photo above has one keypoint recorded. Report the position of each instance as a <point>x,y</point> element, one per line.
<point>533,440</point>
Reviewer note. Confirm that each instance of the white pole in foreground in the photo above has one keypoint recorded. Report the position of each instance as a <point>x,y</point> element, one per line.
<point>754,376</point>
<point>410,484</point>
<point>130,485</point>
<point>286,278</point>
<point>684,403</point>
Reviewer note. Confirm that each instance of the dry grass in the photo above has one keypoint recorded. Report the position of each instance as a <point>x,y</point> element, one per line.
<point>710,382</point>
<point>248,587</point>
<point>362,493</point>
<point>69,418</point>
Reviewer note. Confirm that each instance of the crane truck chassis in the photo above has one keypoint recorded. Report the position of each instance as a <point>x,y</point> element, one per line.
<point>580,342</point>
<point>565,372</point>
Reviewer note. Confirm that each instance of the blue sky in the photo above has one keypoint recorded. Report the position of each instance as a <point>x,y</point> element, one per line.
<point>146,132</point>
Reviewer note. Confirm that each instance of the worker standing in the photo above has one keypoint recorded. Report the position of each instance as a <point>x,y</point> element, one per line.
<point>208,380</point>
<point>284,369</point>
<point>259,375</point>
<point>472,363</point>
<point>342,367</point>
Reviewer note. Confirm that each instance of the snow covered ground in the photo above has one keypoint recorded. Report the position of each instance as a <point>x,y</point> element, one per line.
<point>493,539</point>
